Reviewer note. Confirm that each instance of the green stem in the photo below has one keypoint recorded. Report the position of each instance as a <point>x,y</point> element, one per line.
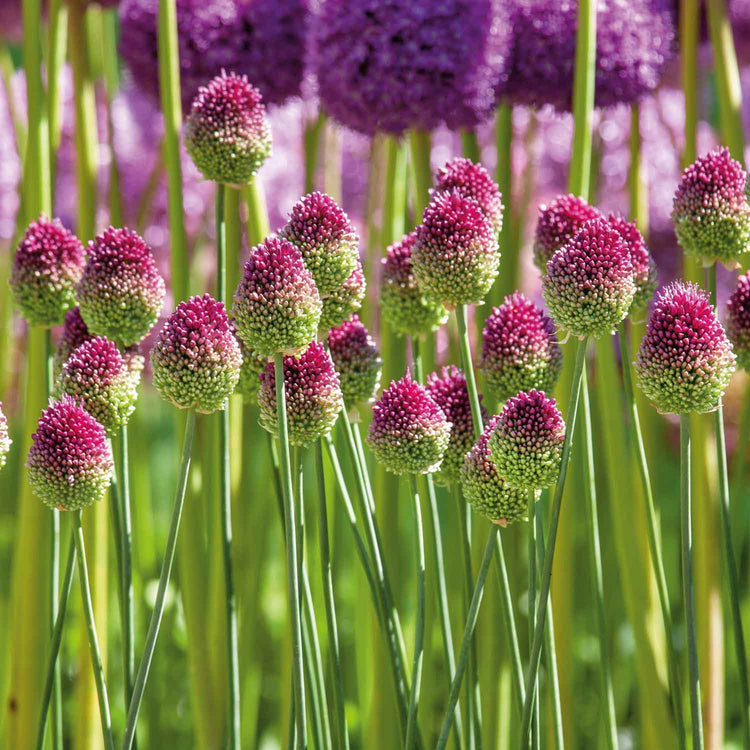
<point>466,359</point>
<point>637,185</point>
<point>421,171</point>
<point>311,140</point>
<point>690,21</point>
<point>394,198</point>
<point>56,46</point>
<point>257,214</point>
<point>125,543</point>
<point>470,146</point>
<point>508,279</point>
<point>535,719</point>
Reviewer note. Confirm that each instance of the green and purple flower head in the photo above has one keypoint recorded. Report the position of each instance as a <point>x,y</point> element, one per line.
<point>5,441</point>
<point>519,348</point>
<point>738,321</point>
<point>344,301</point>
<point>196,359</point>
<point>685,360</point>
<point>357,360</point>
<point>69,463</point>
<point>227,133</point>
<point>409,432</point>
<point>710,210</point>
<point>47,266</point>
<point>75,332</point>
<point>250,370</point>
<point>313,396</point>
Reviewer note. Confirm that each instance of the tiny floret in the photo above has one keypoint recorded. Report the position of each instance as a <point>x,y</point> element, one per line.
<point>5,441</point>
<point>738,321</point>
<point>357,360</point>
<point>342,303</point>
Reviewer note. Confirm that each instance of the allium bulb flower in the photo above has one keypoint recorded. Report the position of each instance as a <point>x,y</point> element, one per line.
<point>685,360</point>
<point>75,332</point>
<point>526,444</point>
<point>455,256</point>
<point>46,268</point>
<point>69,463</point>
<point>313,396</point>
<point>343,302</point>
<point>196,359</point>
<point>227,133</point>
<point>5,441</point>
<point>121,292</point>
<point>519,349</point>
<point>485,489</point>
<point>250,370</point>
<point>738,321</point>
<point>590,286</point>
<point>357,360</point>
<point>710,211</point>
<point>409,432</point>
<point>276,306</point>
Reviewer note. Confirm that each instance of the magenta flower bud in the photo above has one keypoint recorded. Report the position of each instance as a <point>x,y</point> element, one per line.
<point>341,304</point>
<point>5,441</point>
<point>252,366</point>
<point>519,349</point>
<point>409,432</point>
<point>196,359</point>
<point>710,210</point>
<point>456,256</point>
<point>685,360</point>
<point>313,396</point>
<point>227,133</point>
<point>121,292</point>
<point>589,285</point>
<point>74,333</point>
<point>46,268</point>
<point>738,321</point>
<point>70,464</point>
<point>357,360</point>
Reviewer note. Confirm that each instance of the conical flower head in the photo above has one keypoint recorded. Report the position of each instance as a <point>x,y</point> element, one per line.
<point>322,232</point>
<point>343,302</point>
<point>456,256</point>
<point>196,359</point>
<point>403,304</point>
<point>519,348</point>
<point>69,463</point>
<point>75,332</point>
<point>685,360</point>
<point>483,486</point>
<point>738,321</point>
<point>46,268</point>
<point>409,432</point>
<point>589,286</point>
<point>357,360</point>
<point>276,306</point>
<point>710,210</point>
<point>252,366</point>
<point>313,396</point>
<point>121,293</point>
<point>5,441</point>
<point>526,444</point>
<point>227,133</point>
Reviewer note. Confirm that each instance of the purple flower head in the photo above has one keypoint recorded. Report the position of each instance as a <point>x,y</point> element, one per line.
<point>313,396</point>
<point>738,321</point>
<point>456,256</point>
<point>341,304</point>
<point>685,359</point>
<point>589,285</point>
<point>69,463</point>
<point>252,366</point>
<point>74,333</point>
<point>5,441</point>
<point>121,292</point>
<point>46,268</point>
<point>357,360</point>
<point>519,348</point>
<point>409,432</point>
<point>710,211</point>
<point>276,306</point>
<point>196,360</point>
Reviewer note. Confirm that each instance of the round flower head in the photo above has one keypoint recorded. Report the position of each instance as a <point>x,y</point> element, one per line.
<point>558,223</point>
<point>402,302</point>
<point>276,306</point>
<point>738,321</point>
<point>69,463</point>
<point>252,366</point>
<point>409,432</point>
<point>74,333</point>
<point>357,360</point>
<point>456,256</point>
<point>526,444</point>
<point>121,292</point>
<point>483,486</point>
<point>196,359</point>
<point>47,266</point>
<point>473,181</point>
<point>519,348</point>
<point>344,301</point>
<point>710,210</point>
<point>313,396</point>
<point>589,285</point>
<point>5,440</point>
<point>685,359</point>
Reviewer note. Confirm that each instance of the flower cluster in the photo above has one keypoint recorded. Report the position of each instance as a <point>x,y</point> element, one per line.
<point>738,321</point>
<point>250,370</point>
<point>644,268</point>
<point>344,302</point>
<point>75,332</point>
<point>5,441</point>
<point>357,360</point>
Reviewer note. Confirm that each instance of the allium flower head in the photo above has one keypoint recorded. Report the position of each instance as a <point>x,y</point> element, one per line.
<point>357,360</point>
<point>589,285</point>
<point>685,359</point>
<point>519,348</point>
<point>5,440</point>
<point>456,256</point>
<point>276,306</point>
<point>343,302</point>
<point>409,432</point>
<point>69,463</point>
<point>46,268</point>
<point>252,366</point>
<point>121,292</point>
<point>710,211</point>
<point>644,268</point>
<point>74,333</point>
<point>313,396</point>
<point>196,359</point>
<point>738,321</point>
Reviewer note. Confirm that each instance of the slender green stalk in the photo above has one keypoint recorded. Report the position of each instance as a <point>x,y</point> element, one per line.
<point>508,279</point>
<point>128,635</point>
<point>56,46</point>
<point>421,171</point>
<point>739,470</point>
<point>311,140</point>
<point>470,145</point>
<point>535,719</point>
<point>690,21</point>
<point>637,184</point>
<point>471,381</point>
<point>257,214</point>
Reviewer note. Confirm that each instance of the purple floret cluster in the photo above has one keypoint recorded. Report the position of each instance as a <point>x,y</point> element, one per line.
<point>738,321</point>
<point>357,360</point>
